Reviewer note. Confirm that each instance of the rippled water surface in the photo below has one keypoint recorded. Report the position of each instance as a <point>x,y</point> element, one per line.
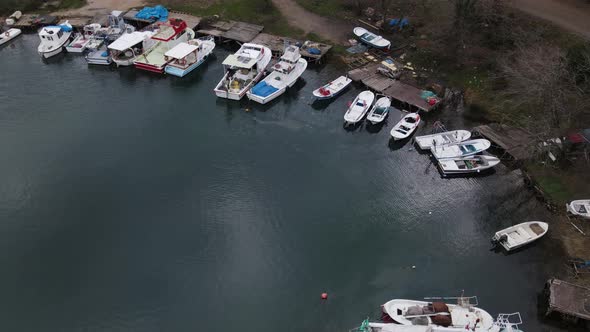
<point>132,202</point>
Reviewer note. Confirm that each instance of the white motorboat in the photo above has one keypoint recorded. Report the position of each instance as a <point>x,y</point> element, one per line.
<point>519,235</point>
<point>332,89</point>
<point>406,126</point>
<point>168,36</point>
<point>53,39</point>
<point>9,35</point>
<point>117,27</point>
<point>580,208</point>
<point>444,138</point>
<point>188,56</point>
<point>370,38</point>
<point>359,107</point>
<point>284,74</point>
<point>78,45</point>
<point>460,317</point>
<point>129,46</point>
<point>379,111</point>
<point>242,70</point>
<point>11,20</point>
<point>469,164</point>
<point>461,149</point>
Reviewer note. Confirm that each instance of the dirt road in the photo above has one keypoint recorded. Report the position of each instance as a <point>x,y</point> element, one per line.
<point>94,7</point>
<point>573,15</point>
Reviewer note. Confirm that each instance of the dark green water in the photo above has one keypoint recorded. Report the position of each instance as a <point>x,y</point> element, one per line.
<point>132,202</point>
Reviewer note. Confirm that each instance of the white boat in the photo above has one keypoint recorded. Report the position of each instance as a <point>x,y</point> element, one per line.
<point>100,54</point>
<point>168,36</point>
<point>285,73</point>
<point>78,45</point>
<point>519,235</point>
<point>188,56</point>
<point>129,46</point>
<point>116,26</point>
<point>242,70</point>
<point>379,111</point>
<point>406,126</point>
<point>53,39</point>
<point>465,165</point>
<point>11,20</point>
<point>463,316</point>
<point>580,208</point>
<point>461,149</point>
<point>332,89</point>
<point>9,35</point>
<point>444,138</point>
<point>370,38</point>
<point>359,107</point>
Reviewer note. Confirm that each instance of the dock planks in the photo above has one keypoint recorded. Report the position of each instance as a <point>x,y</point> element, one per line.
<point>516,142</point>
<point>277,45</point>
<point>567,299</point>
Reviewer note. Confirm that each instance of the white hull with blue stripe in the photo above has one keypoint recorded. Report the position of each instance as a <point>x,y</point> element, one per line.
<point>186,57</point>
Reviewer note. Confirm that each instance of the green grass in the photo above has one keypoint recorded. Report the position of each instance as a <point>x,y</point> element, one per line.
<point>330,8</point>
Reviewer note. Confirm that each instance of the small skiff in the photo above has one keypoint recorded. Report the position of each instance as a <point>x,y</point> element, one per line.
<point>370,38</point>
<point>390,327</point>
<point>580,208</point>
<point>379,111</point>
<point>461,149</point>
<point>445,138</point>
<point>406,126</point>
<point>465,165</point>
<point>332,89</point>
<point>359,107</point>
<point>441,316</point>
<point>9,35</point>
<point>519,235</point>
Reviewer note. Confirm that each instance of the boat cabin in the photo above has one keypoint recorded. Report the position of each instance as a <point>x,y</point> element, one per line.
<point>183,55</point>
<point>288,61</point>
<point>51,33</point>
<point>130,45</point>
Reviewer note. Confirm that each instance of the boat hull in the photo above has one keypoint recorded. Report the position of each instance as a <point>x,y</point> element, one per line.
<point>520,235</point>
<point>574,208</point>
<point>345,82</point>
<point>449,137</point>
<point>236,95</point>
<point>9,35</point>
<point>449,166</point>
<point>123,63</point>
<point>49,54</point>
<point>150,68</point>
<point>175,71</point>
<point>301,67</point>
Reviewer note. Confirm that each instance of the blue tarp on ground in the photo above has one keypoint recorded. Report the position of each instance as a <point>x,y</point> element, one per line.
<point>263,90</point>
<point>149,13</point>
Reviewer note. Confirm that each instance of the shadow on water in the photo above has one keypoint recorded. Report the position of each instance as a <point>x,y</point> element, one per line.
<point>398,144</point>
<point>375,128</point>
<point>58,58</point>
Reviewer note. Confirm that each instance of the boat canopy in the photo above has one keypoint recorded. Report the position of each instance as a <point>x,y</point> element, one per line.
<point>128,40</point>
<point>291,54</point>
<point>181,50</point>
<point>239,61</point>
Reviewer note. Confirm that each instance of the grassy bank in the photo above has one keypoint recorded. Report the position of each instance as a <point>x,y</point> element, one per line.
<point>7,7</point>
<point>329,8</point>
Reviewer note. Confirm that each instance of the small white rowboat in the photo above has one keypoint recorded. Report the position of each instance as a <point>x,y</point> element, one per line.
<point>465,165</point>
<point>379,111</point>
<point>462,149</point>
<point>445,138</point>
<point>9,35</point>
<point>359,107</point>
<point>332,89</point>
<point>580,208</point>
<point>519,235</point>
<point>406,126</point>
<point>370,38</point>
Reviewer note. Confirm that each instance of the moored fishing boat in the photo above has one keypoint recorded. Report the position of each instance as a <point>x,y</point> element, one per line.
<point>406,126</point>
<point>53,39</point>
<point>379,111</point>
<point>99,54</point>
<point>444,138</point>
<point>285,73</point>
<point>168,36</point>
<point>332,89</point>
<point>580,208</point>
<point>520,235</point>
<point>78,45</point>
<point>129,46</point>
<point>359,107</point>
<point>466,165</point>
<point>242,70</point>
<point>461,149</point>
<point>370,38</point>
<point>188,56</point>
<point>9,35</point>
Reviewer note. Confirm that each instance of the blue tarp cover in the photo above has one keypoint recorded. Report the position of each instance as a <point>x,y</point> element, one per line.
<point>63,27</point>
<point>148,13</point>
<point>263,90</point>
<point>313,50</point>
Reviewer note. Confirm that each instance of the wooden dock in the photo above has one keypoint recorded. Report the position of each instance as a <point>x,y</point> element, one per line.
<point>191,20</point>
<point>30,22</point>
<point>567,299</point>
<point>516,142</point>
<point>277,46</point>
<point>241,32</point>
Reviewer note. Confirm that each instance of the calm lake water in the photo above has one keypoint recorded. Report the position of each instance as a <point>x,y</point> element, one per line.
<point>134,202</point>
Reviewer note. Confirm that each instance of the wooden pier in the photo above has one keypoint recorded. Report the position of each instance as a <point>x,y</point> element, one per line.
<point>567,299</point>
<point>516,142</point>
<point>277,46</point>
<point>241,32</point>
<point>31,22</point>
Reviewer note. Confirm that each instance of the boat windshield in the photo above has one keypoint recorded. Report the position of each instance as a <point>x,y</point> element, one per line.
<point>368,36</point>
<point>380,110</point>
<point>410,119</point>
<point>360,103</point>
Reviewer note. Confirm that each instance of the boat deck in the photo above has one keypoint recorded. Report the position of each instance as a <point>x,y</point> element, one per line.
<point>154,57</point>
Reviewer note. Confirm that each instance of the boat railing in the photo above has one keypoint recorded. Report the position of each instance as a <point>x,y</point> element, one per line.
<point>512,320</point>
<point>438,127</point>
<point>464,301</point>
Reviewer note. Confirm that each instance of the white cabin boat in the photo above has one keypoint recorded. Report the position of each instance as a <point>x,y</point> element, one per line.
<point>332,89</point>
<point>461,149</point>
<point>519,235</point>
<point>380,110</point>
<point>78,45</point>
<point>129,46</point>
<point>466,165</point>
<point>285,73</point>
<point>188,56</point>
<point>242,70</point>
<point>405,127</point>
<point>100,55</point>
<point>359,107</point>
<point>441,316</point>
<point>580,208</point>
<point>53,39</point>
<point>9,35</point>
<point>168,36</point>
<point>444,138</point>
<point>370,38</point>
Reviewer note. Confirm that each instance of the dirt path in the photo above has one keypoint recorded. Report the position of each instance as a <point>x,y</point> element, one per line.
<point>573,15</point>
<point>328,28</point>
<point>94,7</point>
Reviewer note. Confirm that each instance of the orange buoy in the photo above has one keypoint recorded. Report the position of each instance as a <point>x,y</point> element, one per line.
<point>324,296</point>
